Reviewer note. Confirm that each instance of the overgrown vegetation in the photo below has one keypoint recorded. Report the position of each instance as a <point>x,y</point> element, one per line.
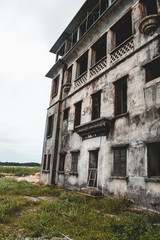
<point>70,214</point>
<point>19,171</point>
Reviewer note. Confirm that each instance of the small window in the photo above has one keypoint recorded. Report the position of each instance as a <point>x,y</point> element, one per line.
<point>69,75</point>
<point>77,119</point>
<point>62,162</point>
<point>93,167</point>
<point>152,70</point>
<point>50,126</point>
<point>44,161</point>
<point>99,50</point>
<point>74,163</point>
<point>82,63</point>
<point>122,29</point>
<point>65,114</point>
<point>74,40</point>
<point>151,7</point>
<point>104,5</point>
<point>96,105</point>
<point>48,161</point>
<point>121,96</point>
<point>55,86</point>
<point>120,161</point>
<point>153,150</point>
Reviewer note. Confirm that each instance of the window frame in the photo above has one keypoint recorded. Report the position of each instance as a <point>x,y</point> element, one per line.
<point>61,165</point>
<point>118,170</point>
<point>95,49</point>
<point>65,114</point>
<point>55,85</point>
<point>81,69</point>
<point>50,124</point>
<point>151,68</point>
<point>121,91</point>
<point>74,162</point>
<point>96,113</point>
<point>77,115</point>
<point>153,165</point>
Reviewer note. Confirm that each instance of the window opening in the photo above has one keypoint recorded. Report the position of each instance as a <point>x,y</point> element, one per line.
<point>152,70</point>
<point>82,64</point>
<point>61,52</point>
<point>55,86</point>
<point>151,7</point>
<point>44,161</point>
<point>74,163</point>
<point>123,29</point>
<point>120,161</point>
<point>104,5</point>
<point>93,16</point>
<point>69,75</point>
<point>96,105</point>
<point>48,161</point>
<point>62,162</point>
<point>153,159</point>
<point>74,37</point>
<point>82,28</point>
<point>65,114</point>
<point>121,96</point>
<point>77,119</point>
<point>93,165</point>
<point>99,50</point>
<point>50,126</point>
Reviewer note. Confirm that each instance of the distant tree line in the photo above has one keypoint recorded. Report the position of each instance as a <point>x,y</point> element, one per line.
<point>30,164</point>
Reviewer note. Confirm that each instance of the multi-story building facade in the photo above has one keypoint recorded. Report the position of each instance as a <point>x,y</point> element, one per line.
<point>103,129</point>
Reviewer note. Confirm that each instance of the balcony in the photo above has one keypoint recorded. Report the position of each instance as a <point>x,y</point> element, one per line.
<point>81,80</point>
<point>98,67</point>
<point>95,128</point>
<point>122,50</point>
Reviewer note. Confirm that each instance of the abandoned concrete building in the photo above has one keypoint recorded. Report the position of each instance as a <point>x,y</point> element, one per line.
<point>103,130</point>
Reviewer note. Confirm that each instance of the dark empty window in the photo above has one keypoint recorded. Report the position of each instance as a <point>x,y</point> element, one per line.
<point>48,161</point>
<point>77,119</point>
<point>44,162</point>
<point>153,159</point>
<point>82,28</point>
<point>123,29</point>
<point>69,74</point>
<point>65,114</point>
<point>82,64</point>
<point>151,7</point>
<point>99,50</point>
<point>55,86</point>
<point>93,16</point>
<point>121,96</point>
<point>50,126</point>
<point>120,161</point>
<point>74,163</point>
<point>74,39</point>
<point>104,5</point>
<point>62,162</point>
<point>96,105</point>
<point>152,70</point>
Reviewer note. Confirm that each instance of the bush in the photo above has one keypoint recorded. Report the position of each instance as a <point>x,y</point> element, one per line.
<point>19,171</point>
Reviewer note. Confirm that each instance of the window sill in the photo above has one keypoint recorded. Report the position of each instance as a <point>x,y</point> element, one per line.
<point>60,172</point>
<point>119,178</point>
<point>45,171</point>
<point>153,179</point>
<point>152,82</point>
<point>73,173</point>
<point>121,115</point>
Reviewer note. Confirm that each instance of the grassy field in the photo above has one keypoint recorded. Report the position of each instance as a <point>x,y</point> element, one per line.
<point>19,171</point>
<point>70,214</point>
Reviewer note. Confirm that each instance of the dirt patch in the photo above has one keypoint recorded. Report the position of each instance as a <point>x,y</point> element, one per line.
<point>32,178</point>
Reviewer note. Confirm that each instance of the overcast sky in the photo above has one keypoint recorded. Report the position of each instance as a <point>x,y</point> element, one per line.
<point>28,29</point>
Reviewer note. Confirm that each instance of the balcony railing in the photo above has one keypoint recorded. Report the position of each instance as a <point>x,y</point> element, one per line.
<point>121,51</point>
<point>98,67</point>
<point>81,80</point>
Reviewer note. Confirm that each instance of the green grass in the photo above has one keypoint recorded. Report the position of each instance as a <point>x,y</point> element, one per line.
<point>9,186</point>
<point>75,217</point>
<point>70,214</point>
<point>19,171</point>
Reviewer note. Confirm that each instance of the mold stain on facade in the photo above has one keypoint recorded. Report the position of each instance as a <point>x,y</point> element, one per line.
<point>103,129</point>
